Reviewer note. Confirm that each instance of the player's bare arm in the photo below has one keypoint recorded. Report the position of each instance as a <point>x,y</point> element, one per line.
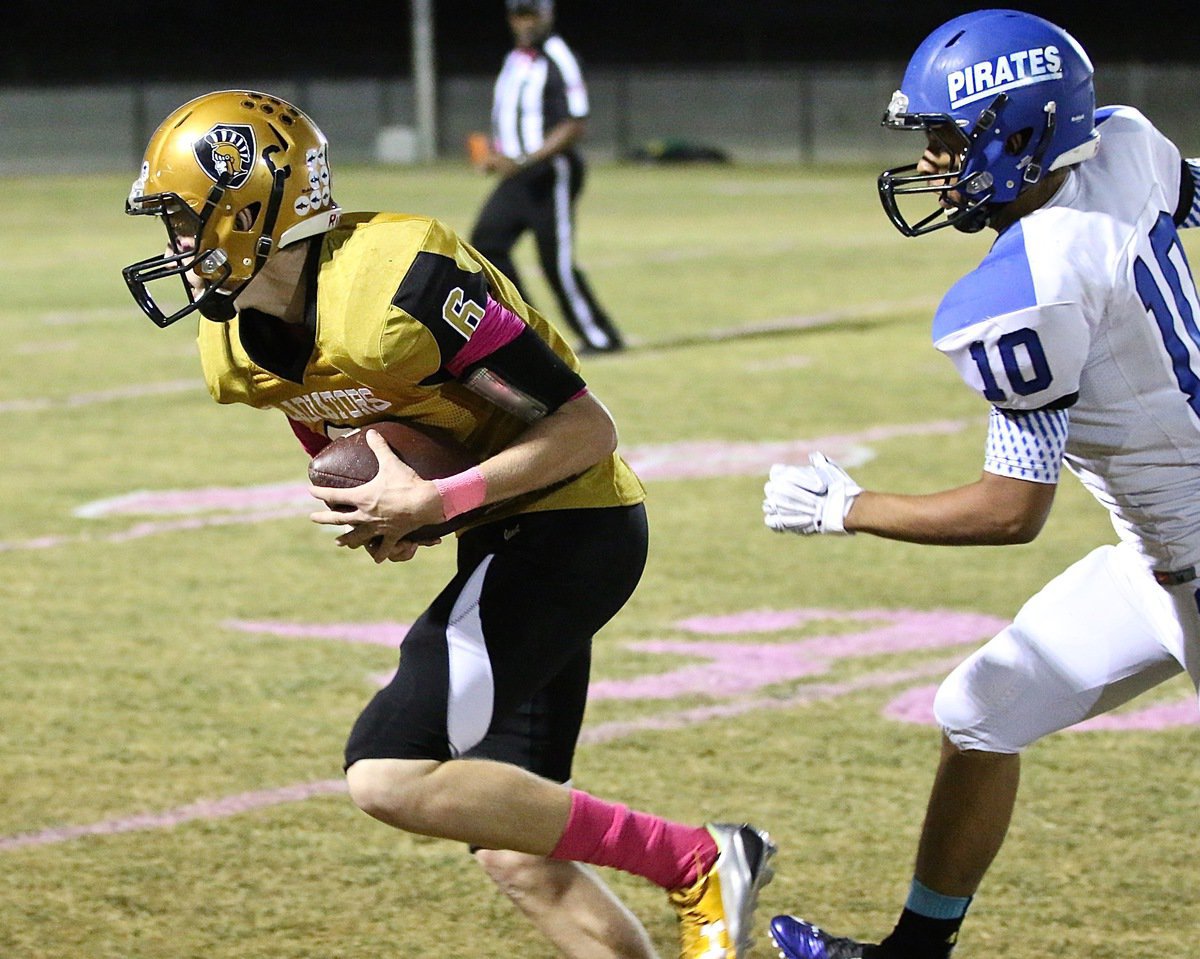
<point>565,443</point>
<point>993,511</point>
<point>575,437</point>
<point>1008,504</point>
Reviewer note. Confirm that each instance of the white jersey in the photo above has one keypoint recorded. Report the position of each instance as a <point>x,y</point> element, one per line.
<point>1088,303</point>
<point>537,89</point>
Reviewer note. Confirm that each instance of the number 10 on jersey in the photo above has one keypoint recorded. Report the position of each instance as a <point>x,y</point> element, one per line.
<point>1008,349</point>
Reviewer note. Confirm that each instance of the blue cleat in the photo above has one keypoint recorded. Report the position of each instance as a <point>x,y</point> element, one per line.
<point>797,939</point>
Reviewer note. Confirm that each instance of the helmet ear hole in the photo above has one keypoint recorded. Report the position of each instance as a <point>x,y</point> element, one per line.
<point>246,217</point>
<point>1017,142</point>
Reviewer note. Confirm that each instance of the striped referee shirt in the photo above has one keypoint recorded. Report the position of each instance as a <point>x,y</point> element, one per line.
<point>537,89</point>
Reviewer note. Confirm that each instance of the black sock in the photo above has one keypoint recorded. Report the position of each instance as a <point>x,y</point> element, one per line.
<point>919,937</point>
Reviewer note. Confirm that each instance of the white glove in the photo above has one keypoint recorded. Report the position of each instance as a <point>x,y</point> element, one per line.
<point>809,499</point>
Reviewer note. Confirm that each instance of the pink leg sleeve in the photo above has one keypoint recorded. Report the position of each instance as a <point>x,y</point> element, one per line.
<point>669,854</point>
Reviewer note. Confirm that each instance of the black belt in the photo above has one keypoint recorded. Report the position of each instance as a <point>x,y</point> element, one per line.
<point>1175,577</point>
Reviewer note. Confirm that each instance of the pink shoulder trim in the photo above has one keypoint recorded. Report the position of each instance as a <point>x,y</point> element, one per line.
<point>499,326</point>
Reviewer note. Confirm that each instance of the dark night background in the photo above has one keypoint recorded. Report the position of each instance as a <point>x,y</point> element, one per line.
<point>78,42</point>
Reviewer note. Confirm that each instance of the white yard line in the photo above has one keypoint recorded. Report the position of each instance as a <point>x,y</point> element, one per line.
<point>783,324</point>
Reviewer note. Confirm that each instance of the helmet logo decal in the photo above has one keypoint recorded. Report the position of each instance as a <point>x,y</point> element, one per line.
<point>228,149</point>
<point>1021,68</point>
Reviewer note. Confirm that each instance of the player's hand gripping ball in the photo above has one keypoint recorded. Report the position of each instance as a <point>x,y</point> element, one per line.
<point>432,454</point>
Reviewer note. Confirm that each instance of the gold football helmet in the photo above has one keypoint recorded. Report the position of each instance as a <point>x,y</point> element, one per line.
<point>235,176</point>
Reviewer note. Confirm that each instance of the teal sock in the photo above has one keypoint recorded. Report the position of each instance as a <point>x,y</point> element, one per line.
<point>925,902</point>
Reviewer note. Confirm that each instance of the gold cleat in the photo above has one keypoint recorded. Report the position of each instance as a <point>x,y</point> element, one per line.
<point>716,913</point>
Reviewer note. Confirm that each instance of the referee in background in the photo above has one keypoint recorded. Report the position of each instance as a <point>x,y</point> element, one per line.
<point>539,113</point>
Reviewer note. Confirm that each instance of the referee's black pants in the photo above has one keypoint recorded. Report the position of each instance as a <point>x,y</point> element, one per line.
<point>541,198</point>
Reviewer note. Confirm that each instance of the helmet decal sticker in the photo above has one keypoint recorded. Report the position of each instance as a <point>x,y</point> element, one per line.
<point>318,183</point>
<point>989,77</point>
<point>227,149</point>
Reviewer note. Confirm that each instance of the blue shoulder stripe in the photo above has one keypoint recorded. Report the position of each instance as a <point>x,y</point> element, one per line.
<point>1002,283</point>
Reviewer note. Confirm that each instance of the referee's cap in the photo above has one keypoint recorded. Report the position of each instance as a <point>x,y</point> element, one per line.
<point>543,8</point>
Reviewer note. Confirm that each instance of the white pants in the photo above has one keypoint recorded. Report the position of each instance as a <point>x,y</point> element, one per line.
<point>1095,637</point>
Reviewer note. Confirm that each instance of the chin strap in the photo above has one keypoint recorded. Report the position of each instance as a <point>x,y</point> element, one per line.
<point>217,305</point>
<point>975,219</point>
<point>279,177</point>
<point>980,216</point>
<point>1033,172</point>
<point>990,114</point>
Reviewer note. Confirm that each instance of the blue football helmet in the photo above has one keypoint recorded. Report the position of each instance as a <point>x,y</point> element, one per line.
<point>1008,96</point>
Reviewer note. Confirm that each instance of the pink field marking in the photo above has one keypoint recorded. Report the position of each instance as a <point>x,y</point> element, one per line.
<point>802,696</point>
<point>913,706</point>
<point>701,459</point>
<point>142,530</point>
<point>735,672</point>
<point>766,666</point>
<point>1150,719</point>
<point>373,634</point>
<point>230,499</point>
<point>205,809</point>
<point>761,621</point>
<point>274,501</point>
<point>732,669</point>
<point>40,542</point>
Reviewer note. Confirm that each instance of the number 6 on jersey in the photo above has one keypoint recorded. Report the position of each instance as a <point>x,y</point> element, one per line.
<point>462,314</point>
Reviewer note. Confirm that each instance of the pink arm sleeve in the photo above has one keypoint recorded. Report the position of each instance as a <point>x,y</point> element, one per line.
<point>499,326</point>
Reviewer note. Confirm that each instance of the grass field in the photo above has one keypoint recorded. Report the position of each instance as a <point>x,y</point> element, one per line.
<point>181,667</point>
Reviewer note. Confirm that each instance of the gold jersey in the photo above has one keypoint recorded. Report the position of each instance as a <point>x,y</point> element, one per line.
<point>391,298</point>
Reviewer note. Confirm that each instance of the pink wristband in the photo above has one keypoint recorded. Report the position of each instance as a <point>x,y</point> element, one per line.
<point>462,492</point>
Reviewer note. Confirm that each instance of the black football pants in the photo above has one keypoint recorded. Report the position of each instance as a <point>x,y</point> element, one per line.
<point>497,667</point>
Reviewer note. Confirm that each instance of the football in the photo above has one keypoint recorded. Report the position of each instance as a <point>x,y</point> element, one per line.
<point>432,454</point>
